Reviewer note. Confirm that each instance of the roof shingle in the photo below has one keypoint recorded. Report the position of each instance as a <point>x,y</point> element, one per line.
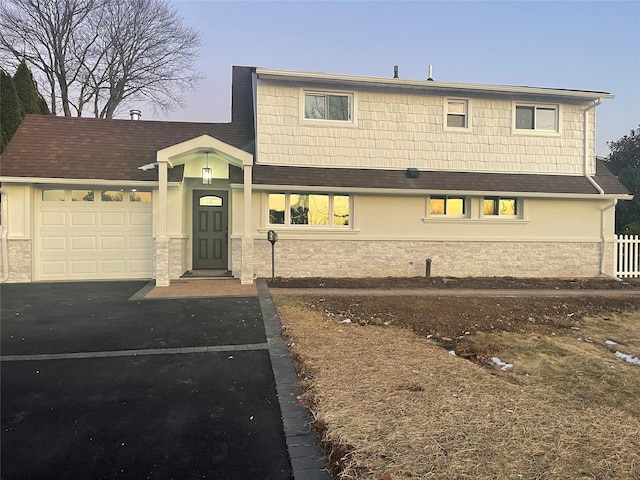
<point>432,180</point>
<point>47,146</point>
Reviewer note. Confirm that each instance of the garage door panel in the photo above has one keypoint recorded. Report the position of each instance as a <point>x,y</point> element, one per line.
<point>82,219</point>
<point>140,219</point>
<point>55,218</point>
<point>112,219</point>
<point>113,266</point>
<point>139,267</point>
<point>54,244</point>
<point>101,240</point>
<point>84,267</point>
<point>143,243</point>
<point>54,267</point>
<point>84,243</point>
<point>112,243</point>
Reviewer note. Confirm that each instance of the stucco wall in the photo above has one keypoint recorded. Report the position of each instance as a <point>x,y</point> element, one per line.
<point>406,129</point>
<point>393,236</point>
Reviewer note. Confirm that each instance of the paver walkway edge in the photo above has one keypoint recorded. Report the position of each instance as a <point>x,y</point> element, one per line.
<point>306,456</point>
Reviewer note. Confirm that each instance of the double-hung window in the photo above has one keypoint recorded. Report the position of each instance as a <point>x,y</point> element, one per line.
<point>447,206</point>
<point>328,106</point>
<point>311,209</point>
<point>500,206</point>
<point>457,115</point>
<point>536,117</point>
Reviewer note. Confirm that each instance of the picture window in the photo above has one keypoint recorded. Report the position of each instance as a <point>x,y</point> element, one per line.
<point>310,209</point>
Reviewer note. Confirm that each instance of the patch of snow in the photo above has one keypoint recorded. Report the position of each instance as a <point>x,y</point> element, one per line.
<point>346,320</point>
<point>453,352</point>
<point>610,342</point>
<point>505,366</point>
<point>148,166</point>
<point>628,358</point>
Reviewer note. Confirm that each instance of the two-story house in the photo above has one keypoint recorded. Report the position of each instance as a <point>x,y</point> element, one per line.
<point>358,176</point>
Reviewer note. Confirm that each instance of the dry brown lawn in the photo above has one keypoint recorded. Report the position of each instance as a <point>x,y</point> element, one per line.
<point>388,402</point>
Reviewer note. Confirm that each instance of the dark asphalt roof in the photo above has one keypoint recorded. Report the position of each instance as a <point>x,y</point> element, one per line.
<point>47,146</point>
<point>432,180</point>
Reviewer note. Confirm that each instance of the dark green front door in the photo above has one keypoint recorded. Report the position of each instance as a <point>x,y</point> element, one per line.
<point>210,229</point>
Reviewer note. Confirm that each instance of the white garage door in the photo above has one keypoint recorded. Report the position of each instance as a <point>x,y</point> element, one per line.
<point>94,234</point>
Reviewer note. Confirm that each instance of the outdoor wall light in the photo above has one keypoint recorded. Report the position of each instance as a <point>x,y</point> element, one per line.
<point>413,173</point>
<point>207,176</point>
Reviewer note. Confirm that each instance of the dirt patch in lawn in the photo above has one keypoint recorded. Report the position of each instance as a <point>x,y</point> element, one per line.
<point>389,398</point>
<point>506,283</point>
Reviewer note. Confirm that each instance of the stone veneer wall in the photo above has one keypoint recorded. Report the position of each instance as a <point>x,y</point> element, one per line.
<point>330,258</point>
<point>20,263</point>
<point>177,257</point>
<point>243,250</point>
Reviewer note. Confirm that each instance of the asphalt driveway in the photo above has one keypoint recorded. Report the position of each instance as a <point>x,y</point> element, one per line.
<point>95,385</point>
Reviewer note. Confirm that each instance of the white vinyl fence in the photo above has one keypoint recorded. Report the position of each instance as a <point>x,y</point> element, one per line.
<point>627,256</point>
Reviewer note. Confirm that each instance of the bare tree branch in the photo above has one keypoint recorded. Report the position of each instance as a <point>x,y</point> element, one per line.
<point>103,53</point>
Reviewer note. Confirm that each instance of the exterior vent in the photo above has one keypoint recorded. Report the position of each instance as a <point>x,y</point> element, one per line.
<point>135,114</point>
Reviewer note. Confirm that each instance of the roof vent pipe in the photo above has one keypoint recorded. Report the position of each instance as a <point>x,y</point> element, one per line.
<point>430,73</point>
<point>395,71</point>
<point>135,114</point>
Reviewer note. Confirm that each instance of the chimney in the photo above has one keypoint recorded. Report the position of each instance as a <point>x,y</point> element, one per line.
<point>135,114</point>
<point>395,71</point>
<point>430,73</point>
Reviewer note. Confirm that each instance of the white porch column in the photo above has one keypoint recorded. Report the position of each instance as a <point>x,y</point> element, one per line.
<point>162,240</point>
<point>246,275</point>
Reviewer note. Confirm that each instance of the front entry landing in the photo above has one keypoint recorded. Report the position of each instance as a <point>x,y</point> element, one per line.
<point>210,229</point>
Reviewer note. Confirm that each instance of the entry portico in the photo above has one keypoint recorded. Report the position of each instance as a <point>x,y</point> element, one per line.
<point>195,154</point>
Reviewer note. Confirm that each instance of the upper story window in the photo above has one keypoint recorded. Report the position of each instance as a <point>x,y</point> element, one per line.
<point>457,114</point>
<point>500,206</point>
<point>536,117</point>
<point>328,106</point>
<point>327,210</point>
<point>448,206</point>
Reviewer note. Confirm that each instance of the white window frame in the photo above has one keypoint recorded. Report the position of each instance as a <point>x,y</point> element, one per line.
<point>287,211</point>
<point>326,122</point>
<point>467,114</point>
<point>466,204</point>
<point>537,131</point>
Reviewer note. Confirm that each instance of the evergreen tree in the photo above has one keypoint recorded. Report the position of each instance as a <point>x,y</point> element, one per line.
<point>11,111</point>
<point>624,162</point>
<point>26,88</point>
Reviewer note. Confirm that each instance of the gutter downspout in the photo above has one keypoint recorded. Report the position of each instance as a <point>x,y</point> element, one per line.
<point>603,240</point>
<point>4,234</point>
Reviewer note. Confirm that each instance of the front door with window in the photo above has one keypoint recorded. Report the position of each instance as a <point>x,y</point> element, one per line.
<point>210,229</point>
